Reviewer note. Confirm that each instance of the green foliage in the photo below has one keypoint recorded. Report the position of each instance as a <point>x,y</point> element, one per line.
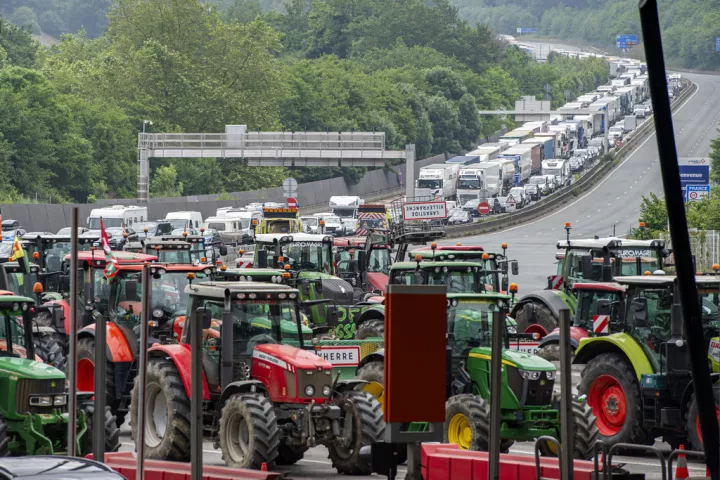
<point>165,183</point>
<point>654,213</point>
<point>715,161</point>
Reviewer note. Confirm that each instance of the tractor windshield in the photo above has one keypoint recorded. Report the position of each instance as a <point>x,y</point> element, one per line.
<point>168,291</point>
<point>21,283</point>
<point>177,256</point>
<point>16,334</point>
<point>657,301</point>
<point>587,307</point>
<point>456,280</point>
<point>266,321</point>
<point>309,256</point>
<point>468,323</point>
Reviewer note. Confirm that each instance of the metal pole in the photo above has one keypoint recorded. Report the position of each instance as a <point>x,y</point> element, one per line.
<point>567,422</point>
<point>196,432</point>
<point>98,433</point>
<point>498,334</point>
<point>665,136</point>
<point>410,172</point>
<point>72,340</point>
<point>142,373</point>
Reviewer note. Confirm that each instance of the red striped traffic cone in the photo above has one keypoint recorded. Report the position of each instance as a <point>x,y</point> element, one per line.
<point>682,470</point>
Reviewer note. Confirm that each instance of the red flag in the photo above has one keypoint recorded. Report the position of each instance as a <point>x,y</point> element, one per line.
<point>111,263</point>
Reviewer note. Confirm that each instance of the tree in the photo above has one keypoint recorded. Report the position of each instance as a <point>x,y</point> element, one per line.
<point>444,117</point>
<point>52,23</point>
<point>165,184</point>
<point>715,161</point>
<point>26,17</point>
<point>654,213</point>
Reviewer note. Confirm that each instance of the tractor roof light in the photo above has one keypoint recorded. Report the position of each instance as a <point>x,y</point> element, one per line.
<point>286,275</point>
<point>281,258</point>
<point>145,229</point>
<point>38,288</point>
<point>203,259</point>
<point>287,267</point>
<point>433,245</point>
<point>716,267</point>
<point>126,235</point>
<point>190,276</point>
<point>567,225</point>
<point>647,273</point>
<point>202,229</point>
<point>158,248</point>
<point>504,246</point>
<point>36,255</point>
<point>485,256</point>
<point>223,268</point>
<point>254,221</point>
<point>458,244</point>
<point>241,251</point>
<point>513,288</point>
<point>642,225</point>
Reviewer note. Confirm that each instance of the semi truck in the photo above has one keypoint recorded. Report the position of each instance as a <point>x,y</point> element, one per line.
<point>521,155</point>
<point>489,151</point>
<point>437,181</point>
<point>538,145</point>
<point>483,180</point>
<point>515,136</point>
<point>552,143</point>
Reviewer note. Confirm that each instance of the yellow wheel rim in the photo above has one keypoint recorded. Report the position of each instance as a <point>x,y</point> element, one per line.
<point>552,448</point>
<point>378,391</point>
<point>459,431</point>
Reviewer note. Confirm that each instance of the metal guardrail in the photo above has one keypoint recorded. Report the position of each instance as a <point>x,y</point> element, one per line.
<point>555,201</point>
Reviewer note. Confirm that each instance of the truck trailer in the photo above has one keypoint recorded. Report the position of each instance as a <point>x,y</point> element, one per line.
<point>438,181</point>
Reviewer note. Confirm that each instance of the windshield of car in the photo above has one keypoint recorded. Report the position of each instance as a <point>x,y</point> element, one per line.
<point>94,223</point>
<point>517,191</point>
<point>429,183</point>
<point>333,220</point>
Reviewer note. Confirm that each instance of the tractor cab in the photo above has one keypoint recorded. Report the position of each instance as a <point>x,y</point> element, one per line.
<point>364,261</point>
<point>185,249</point>
<point>602,299</point>
<point>49,251</point>
<point>280,221</point>
<point>15,279</point>
<point>458,277</point>
<point>15,340</point>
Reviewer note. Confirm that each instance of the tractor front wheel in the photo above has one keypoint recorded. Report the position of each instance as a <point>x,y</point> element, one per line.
<point>613,393</point>
<point>536,318</point>
<point>112,432</point>
<point>374,374</point>
<point>372,328</point>
<point>167,412</point>
<point>50,351</point>
<point>86,376</point>
<point>693,425</point>
<point>467,423</point>
<point>4,440</point>
<point>586,431</point>
<point>363,421</point>
<point>249,433</point>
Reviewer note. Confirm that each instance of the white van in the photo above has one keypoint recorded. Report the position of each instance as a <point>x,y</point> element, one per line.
<point>191,219</point>
<point>235,227</point>
<point>117,216</point>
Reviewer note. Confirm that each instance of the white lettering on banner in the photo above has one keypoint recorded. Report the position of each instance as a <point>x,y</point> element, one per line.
<point>424,210</point>
<point>530,348</point>
<point>341,356</point>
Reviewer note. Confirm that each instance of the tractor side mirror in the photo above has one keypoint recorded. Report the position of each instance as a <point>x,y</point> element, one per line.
<point>331,314</point>
<point>223,250</point>
<point>64,283</point>
<point>262,258</point>
<point>640,312</point>
<point>205,317</point>
<point>586,267</point>
<point>362,260</point>
<point>131,291</point>
<point>603,306</point>
<point>306,288</point>
<point>515,267</point>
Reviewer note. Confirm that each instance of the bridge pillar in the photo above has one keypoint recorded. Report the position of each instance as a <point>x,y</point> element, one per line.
<point>410,171</point>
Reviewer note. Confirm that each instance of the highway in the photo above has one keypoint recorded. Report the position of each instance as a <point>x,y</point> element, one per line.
<point>614,203</point>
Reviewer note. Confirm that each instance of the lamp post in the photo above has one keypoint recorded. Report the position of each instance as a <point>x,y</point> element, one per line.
<point>146,122</point>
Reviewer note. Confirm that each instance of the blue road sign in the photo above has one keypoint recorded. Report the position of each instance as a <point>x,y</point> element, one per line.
<point>717,44</point>
<point>694,171</point>
<point>526,30</point>
<point>623,42</point>
<point>697,193</point>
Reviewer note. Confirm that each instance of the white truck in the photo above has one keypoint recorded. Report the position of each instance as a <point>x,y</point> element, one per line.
<point>521,155</point>
<point>437,181</point>
<point>491,150</point>
<point>116,216</point>
<point>558,168</point>
<point>346,208</point>
<point>479,182</point>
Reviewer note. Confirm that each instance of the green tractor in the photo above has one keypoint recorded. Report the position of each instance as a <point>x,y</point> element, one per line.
<point>33,408</point>
<point>637,377</point>
<point>593,260</point>
<point>529,409</point>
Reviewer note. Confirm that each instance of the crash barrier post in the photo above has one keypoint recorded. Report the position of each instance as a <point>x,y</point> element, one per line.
<point>567,419</point>
<point>498,335</point>
<point>98,433</point>
<point>688,453</point>
<point>639,448</point>
<point>538,442</point>
<point>410,350</point>
<point>196,430</point>
<point>142,373</point>
<point>72,340</point>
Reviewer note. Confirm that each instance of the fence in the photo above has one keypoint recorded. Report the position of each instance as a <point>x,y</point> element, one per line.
<point>705,246</point>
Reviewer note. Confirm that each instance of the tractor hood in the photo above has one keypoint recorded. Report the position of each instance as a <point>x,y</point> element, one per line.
<point>514,358</point>
<point>378,281</point>
<point>286,356</point>
<point>24,368</point>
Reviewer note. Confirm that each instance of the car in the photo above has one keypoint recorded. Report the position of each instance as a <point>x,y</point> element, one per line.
<point>458,216</point>
<point>532,192</point>
<point>542,183</point>
<point>334,226</point>
<point>471,206</point>
<point>183,230</point>
<point>518,193</point>
<point>575,164</point>
<point>67,231</point>
<point>310,224</point>
<point>639,111</point>
<point>154,229</point>
<point>504,204</point>
<point>117,239</point>
<point>11,229</point>
<point>46,467</point>
<point>212,237</point>
<point>594,151</point>
<point>552,182</point>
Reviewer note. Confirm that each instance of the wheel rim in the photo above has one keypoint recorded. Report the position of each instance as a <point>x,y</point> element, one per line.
<point>85,375</point>
<point>697,423</point>
<point>156,418</point>
<point>378,391</point>
<point>460,432</point>
<point>609,404</point>
<point>237,438</point>
<point>535,328</point>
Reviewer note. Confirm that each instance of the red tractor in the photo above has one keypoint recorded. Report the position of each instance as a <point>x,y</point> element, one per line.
<point>265,401</point>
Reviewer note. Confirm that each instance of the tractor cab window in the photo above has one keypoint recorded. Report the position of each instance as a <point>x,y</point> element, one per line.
<point>469,326</point>
<point>588,307</point>
<point>626,261</point>
<point>168,291</point>
<point>344,259</point>
<point>710,307</point>
<point>309,256</point>
<point>456,281</point>
<point>585,265</point>
<point>178,256</point>
<point>279,226</point>
<point>656,329</point>
<point>21,283</point>
<point>379,260</point>
<point>16,330</point>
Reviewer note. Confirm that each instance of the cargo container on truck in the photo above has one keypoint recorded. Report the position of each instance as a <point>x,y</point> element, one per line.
<point>559,168</point>
<point>515,136</point>
<point>437,181</point>
<point>536,154</point>
<point>464,160</point>
<point>547,140</point>
<point>492,150</point>
<point>521,155</point>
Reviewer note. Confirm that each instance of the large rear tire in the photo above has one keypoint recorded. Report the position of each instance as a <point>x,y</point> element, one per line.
<point>112,432</point>
<point>613,393</point>
<point>50,351</point>
<point>545,322</point>
<point>368,427</point>
<point>249,433</point>
<point>4,440</point>
<point>693,425</point>
<point>374,327</point>
<point>86,376</point>
<point>167,413</point>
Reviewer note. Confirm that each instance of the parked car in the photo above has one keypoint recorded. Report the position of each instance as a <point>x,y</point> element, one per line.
<point>334,226</point>
<point>575,164</point>
<point>458,216</point>
<point>11,229</point>
<point>117,239</point>
<point>504,204</point>
<point>532,192</point>
<point>310,224</point>
<point>518,193</point>
<point>542,183</point>
<point>552,182</point>
<point>471,206</point>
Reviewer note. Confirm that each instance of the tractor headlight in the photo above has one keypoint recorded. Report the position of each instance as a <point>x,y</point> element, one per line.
<point>60,400</point>
<point>157,313</point>
<point>242,278</point>
<point>529,375</point>
<point>550,375</point>
<point>208,271</point>
<point>41,401</point>
<point>326,390</point>
<point>16,307</point>
<point>309,390</point>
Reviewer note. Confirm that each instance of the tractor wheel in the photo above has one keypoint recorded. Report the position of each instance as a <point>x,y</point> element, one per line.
<point>374,327</point>
<point>50,351</point>
<point>249,433</point>
<point>167,413</point>
<point>374,374</point>
<point>4,440</point>
<point>586,431</point>
<point>368,427</point>
<point>467,423</point>
<point>613,393</point>
<point>86,376</point>
<point>693,425</point>
<point>551,352</point>
<point>112,432</point>
<point>290,455</point>
<point>546,320</point>
<point>44,319</point>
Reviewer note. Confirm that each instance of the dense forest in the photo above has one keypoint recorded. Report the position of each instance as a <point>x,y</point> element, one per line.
<point>70,114</point>
<point>690,27</point>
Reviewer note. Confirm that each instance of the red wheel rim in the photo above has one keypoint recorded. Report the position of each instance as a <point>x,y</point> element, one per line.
<point>535,328</point>
<point>609,405</point>
<point>697,423</point>
<point>85,375</point>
